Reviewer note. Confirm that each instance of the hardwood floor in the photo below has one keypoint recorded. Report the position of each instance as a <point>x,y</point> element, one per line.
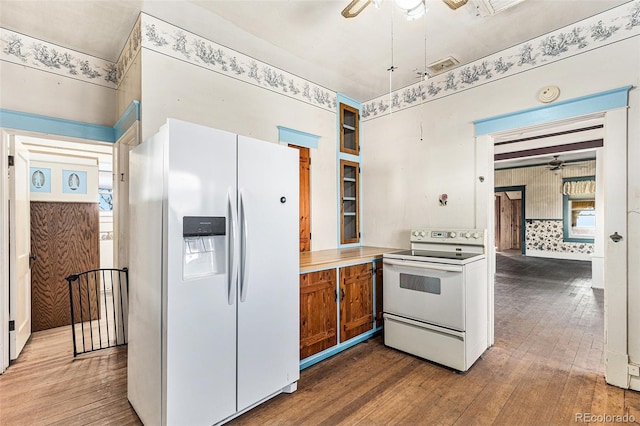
<point>545,368</point>
<point>47,386</point>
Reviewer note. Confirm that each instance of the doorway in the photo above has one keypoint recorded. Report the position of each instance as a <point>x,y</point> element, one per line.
<point>613,130</point>
<point>69,192</point>
<point>509,207</point>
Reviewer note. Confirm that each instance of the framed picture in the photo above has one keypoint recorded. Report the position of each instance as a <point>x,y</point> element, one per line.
<point>40,179</point>
<point>74,182</point>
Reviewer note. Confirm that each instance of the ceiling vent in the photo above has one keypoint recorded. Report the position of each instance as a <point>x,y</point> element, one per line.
<point>442,65</point>
<point>486,8</point>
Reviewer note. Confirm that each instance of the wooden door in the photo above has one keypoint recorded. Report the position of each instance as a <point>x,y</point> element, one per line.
<point>516,224</point>
<point>318,312</point>
<point>65,240</point>
<point>505,222</point>
<point>356,301</point>
<point>379,304</point>
<point>305,191</point>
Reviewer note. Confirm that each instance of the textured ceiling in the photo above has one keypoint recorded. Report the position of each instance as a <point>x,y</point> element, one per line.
<point>306,37</point>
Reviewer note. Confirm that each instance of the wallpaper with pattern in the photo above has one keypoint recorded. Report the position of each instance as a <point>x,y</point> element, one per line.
<point>547,235</point>
<point>33,53</point>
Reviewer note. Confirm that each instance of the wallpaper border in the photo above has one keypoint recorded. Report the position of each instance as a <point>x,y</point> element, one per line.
<point>597,31</point>
<point>173,41</point>
<point>31,52</point>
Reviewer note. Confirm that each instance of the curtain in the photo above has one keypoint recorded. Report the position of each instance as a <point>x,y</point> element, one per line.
<point>580,187</point>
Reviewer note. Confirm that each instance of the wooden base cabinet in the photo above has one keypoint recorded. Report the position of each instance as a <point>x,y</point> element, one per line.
<point>318,321</point>
<point>349,289</point>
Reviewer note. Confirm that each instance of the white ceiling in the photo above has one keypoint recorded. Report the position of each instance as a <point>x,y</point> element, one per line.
<point>309,38</point>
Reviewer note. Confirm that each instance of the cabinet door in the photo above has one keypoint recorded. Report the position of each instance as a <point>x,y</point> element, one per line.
<point>349,129</point>
<point>318,312</point>
<point>379,294</point>
<point>349,202</point>
<point>356,300</point>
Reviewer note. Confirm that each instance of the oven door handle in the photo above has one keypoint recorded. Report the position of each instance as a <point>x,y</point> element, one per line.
<point>423,265</point>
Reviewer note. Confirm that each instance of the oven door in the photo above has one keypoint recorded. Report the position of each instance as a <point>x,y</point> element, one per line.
<point>425,291</point>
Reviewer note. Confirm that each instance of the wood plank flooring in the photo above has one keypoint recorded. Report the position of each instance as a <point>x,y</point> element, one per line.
<point>545,368</point>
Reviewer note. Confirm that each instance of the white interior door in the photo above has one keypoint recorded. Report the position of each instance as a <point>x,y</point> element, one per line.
<point>19,249</point>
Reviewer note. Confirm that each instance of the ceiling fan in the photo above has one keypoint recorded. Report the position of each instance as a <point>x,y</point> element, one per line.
<point>557,164</point>
<point>413,8</point>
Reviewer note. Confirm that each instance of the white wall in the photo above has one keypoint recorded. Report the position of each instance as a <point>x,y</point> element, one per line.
<point>404,175</point>
<point>30,90</point>
<point>176,89</point>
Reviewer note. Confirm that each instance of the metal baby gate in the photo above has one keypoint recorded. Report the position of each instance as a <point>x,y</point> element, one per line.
<point>99,301</point>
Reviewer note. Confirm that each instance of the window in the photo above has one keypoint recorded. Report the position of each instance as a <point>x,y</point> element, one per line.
<point>579,209</point>
<point>105,199</point>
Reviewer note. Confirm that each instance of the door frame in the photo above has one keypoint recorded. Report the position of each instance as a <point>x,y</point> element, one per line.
<point>523,223</point>
<point>4,243</point>
<point>613,106</point>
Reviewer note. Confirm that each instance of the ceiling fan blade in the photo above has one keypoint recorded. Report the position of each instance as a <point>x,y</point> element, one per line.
<point>354,8</point>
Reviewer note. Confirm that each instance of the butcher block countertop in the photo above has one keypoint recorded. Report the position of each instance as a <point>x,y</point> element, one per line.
<point>325,259</point>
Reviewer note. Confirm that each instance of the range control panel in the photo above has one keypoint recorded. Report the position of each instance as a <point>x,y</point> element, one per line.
<point>459,236</point>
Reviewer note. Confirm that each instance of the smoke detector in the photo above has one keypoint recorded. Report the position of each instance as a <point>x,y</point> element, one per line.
<point>442,65</point>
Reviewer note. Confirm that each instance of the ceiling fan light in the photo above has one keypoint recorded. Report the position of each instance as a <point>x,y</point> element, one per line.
<point>416,12</point>
<point>409,4</point>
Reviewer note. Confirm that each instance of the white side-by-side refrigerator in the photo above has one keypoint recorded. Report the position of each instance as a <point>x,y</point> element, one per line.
<point>214,292</point>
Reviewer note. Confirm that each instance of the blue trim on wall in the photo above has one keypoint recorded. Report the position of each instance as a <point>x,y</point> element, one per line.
<point>523,210</point>
<point>566,214</point>
<point>598,102</point>
<point>55,126</point>
<point>130,116</point>
<point>297,137</point>
<point>75,129</point>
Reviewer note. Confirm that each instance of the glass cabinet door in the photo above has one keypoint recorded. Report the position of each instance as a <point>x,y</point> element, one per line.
<point>349,123</point>
<point>349,202</point>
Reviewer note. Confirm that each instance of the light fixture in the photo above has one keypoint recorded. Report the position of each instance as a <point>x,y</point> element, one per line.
<point>414,8</point>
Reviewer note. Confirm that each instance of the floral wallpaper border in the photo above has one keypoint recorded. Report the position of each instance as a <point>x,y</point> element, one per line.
<point>129,52</point>
<point>33,53</point>
<point>175,42</point>
<point>614,25</point>
<point>547,235</point>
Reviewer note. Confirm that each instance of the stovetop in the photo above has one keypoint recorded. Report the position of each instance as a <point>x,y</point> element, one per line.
<point>437,254</point>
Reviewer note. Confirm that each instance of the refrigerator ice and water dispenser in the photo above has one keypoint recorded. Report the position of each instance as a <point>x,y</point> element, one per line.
<point>203,246</point>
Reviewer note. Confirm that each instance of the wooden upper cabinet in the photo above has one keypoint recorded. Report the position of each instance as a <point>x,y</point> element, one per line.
<point>356,300</point>
<point>349,125</point>
<point>349,202</point>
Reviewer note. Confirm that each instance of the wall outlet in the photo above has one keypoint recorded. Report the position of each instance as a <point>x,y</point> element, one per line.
<point>634,370</point>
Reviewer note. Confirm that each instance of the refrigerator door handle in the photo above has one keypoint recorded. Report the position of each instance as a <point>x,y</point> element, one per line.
<point>244,256</point>
<point>233,257</point>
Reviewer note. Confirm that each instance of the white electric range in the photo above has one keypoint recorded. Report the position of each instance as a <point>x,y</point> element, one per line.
<point>435,296</point>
